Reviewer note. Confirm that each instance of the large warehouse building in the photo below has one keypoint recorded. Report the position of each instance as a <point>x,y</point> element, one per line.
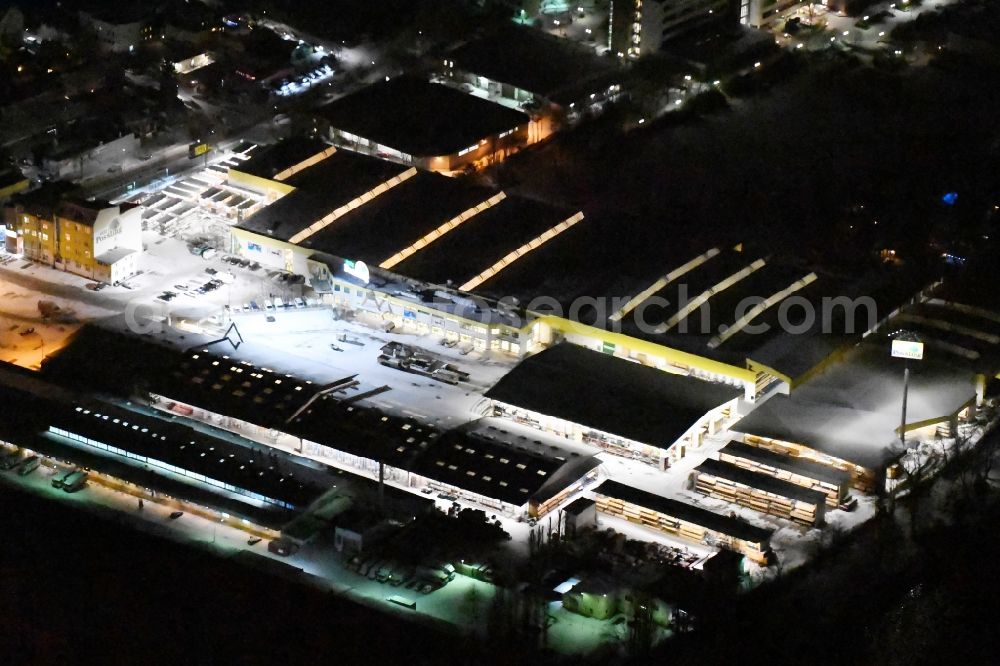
<point>527,68</point>
<point>683,520</point>
<point>627,409</point>
<point>300,418</point>
<point>396,247</point>
<point>435,127</point>
<point>848,418</point>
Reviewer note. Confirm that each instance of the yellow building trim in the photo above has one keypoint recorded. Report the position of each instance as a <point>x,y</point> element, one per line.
<point>14,188</point>
<point>239,232</point>
<point>758,368</point>
<point>313,160</point>
<point>923,423</point>
<point>252,182</point>
<point>652,349</point>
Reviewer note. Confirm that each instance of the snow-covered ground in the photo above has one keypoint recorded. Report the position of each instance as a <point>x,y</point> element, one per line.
<point>299,341</point>
<point>305,342</point>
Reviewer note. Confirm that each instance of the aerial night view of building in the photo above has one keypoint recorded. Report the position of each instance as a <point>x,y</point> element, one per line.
<point>499,331</point>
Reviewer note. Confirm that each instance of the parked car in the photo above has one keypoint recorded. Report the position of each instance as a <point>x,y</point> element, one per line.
<point>299,303</point>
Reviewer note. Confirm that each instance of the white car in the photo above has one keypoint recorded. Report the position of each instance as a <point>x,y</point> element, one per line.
<point>299,303</point>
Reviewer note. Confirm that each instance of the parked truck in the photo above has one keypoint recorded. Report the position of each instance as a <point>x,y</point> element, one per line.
<point>75,481</point>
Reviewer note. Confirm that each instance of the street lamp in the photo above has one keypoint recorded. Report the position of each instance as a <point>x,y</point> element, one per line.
<point>907,346</point>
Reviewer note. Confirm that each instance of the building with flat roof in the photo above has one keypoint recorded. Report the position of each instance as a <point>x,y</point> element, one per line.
<point>628,409</point>
<point>832,482</point>
<point>161,455</point>
<point>683,520</point>
<point>525,67</point>
<point>848,417</point>
<point>433,255</point>
<point>93,239</point>
<point>285,413</point>
<point>579,515</point>
<point>761,492</point>
<point>428,125</point>
<point>121,27</point>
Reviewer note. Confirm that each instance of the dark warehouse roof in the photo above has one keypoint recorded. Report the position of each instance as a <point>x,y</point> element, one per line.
<point>687,512</point>
<point>622,398</point>
<point>420,118</point>
<point>758,481</point>
<point>534,61</point>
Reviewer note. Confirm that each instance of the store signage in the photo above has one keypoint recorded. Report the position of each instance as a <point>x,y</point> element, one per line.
<point>109,232</point>
<point>908,349</point>
<point>197,150</point>
<point>357,269</point>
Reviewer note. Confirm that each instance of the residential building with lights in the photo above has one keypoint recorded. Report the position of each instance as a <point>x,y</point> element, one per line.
<point>640,27</point>
<point>120,28</point>
<point>759,12</point>
<point>92,239</point>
